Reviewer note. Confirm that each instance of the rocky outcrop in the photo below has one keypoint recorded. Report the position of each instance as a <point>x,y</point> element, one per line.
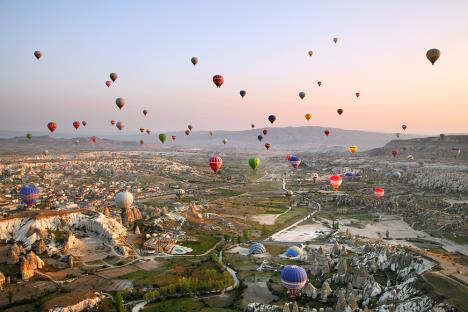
<point>2,280</point>
<point>71,244</point>
<point>325,291</point>
<point>130,215</point>
<point>86,304</point>
<point>29,264</point>
<point>40,247</point>
<point>14,251</point>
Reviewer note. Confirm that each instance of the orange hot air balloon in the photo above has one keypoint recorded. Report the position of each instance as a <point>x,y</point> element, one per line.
<point>76,124</point>
<point>267,146</point>
<point>218,80</point>
<point>215,163</point>
<point>336,181</point>
<point>379,192</point>
<point>142,130</point>
<point>142,142</point>
<point>173,138</point>
<point>308,116</point>
<point>108,83</point>
<point>339,111</point>
<point>52,126</point>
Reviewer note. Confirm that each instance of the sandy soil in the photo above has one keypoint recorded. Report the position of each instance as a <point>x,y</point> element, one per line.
<point>240,250</point>
<point>113,273</point>
<point>258,292</point>
<point>268,219</point>
<point>148,265</point>
<point>301,233</point>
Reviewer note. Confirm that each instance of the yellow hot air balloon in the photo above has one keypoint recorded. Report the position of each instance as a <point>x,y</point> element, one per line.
<point>310,53</point>
<point>353,149</point>
<point>308,116</point>
<point>433,55</point>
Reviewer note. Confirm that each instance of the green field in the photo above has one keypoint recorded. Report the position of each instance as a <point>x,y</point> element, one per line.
<point>183,305</point>
<point>455,293</point>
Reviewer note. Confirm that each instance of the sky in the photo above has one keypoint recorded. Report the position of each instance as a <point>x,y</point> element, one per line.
<point>259,46</point>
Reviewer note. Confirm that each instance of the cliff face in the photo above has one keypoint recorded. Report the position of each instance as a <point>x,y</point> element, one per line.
<point>26,229</point>
<point>29,264</point>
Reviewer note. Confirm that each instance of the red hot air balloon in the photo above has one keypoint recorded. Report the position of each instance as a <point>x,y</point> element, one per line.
<point>395,152</point>
<point>289,156</point>
<point>327,132</point>
<point>379,192</point>
<point>174,138</point>
<point>267,146</point>
<point>93,139</point>
<point>339,111</point>
<point>264,131</point>
<point>112,122</point>
<point>187,132</point>
<point>358,94</point>
<point>76,124</point>
<point>218,80</point>
<point>336,181</point>
<point>52,126</point>
<point>215,163</point>
<point>108,83</point>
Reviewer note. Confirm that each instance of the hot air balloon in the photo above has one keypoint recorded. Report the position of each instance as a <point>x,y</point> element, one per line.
<point>162,137</point>
<point>288,157</point>
<point>358,94</point>
<point>336,181</point>
<point>29,136</point>
<point>252,126</point>
<point>124,200</point>
<point>339,111</point>
<point>295,161</point>
<point>327,132</point>
<point>264,131</point>
<point>225,141</point>
<point>187,132</point>
<point>120,125</point>
<point>145,112</point>
<point>272,118</point>
<point>77,142</point>
<point>259,137</point>
<point>319,83</point>
<point>93,139</point>
<point>142,142</point>
<point>308,116</point>
<point>433,55</point>
<point>218,80</point>
<point>190,127</point>
<point>395,152</point>
<point>142,130</point>
<point>113,76</point>
<point>29,194</point>
<point>174,138</point>
<point>38,54</point>
<point>52,126</point>
<point>353,149</point>
<point>267,146</point>
<point>315,176</point>
<point>45,152</point>
<point>302,95</point>
<point>410,157</point>
<point>310,53</point>
<point>254,162</point>
<point>442,135</point>
<point>120,102</point>
<point>112,122</point>
<point>242,93</point>
<point>404,127</point>
<point>397,135</point>
<point>148,131</point>
<point>455,152</point>
<point>180,193</point>
<point>349,176</point>
<point>76,124</point>
<point>335,40</point>
<point>215,163</point>
<point>84,123</point>
<point>293,278</point>
<point>108,83</point>
<point>379,192</point>
<point>194,60</point>
<point>210,133</point>
<point>395,174</point>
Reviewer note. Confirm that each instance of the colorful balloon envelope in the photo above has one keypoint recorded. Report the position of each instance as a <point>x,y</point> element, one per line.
<point>120,125</point>
<point>120,102</point>
<point>336,181</point>
<point>379,192</point>
<point>395,152</point>
<point>174,138</point>
<point>76,124</point>
<point>295,161</point>
<point>353,149</point>
<point>29,195</point>
<point>433,55</point>
<point>327,132</point>
<point>124,200</point>
<point>113,76</point>
<point>293,278</point>
<point>215,163</point>
<point>265,131</point>
<point>218,80</point>
<point>194,60</point>
<point>410,157</point>
<point>142,130</point>
<point>310,53</point>
<point>404,127</point>
<point>288,157</point>
<point>108,83</point>
<point>142,142</point>
<point>112,122</point>
<point>29,136</point>
<point>254,162</point>
<point>335,40</point>
<point>308,116</point>
<point>210,133</point>
<point>455,152</point>
<point>148,131</point>
<point>190,127</point>
<point>267,146</point>
<point>52,126</point>
<point>162,137</point>
<point>38,54</point>
<point>93,139</point>
<point>225,141</point>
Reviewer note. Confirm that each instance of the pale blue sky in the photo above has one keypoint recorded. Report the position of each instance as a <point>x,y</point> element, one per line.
<point>259,46</point>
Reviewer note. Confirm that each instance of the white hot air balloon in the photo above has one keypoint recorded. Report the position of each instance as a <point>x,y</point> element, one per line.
<point>124,200</point>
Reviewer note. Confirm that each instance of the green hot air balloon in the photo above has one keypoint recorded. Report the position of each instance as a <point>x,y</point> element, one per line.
<point>162,137</point>
<point>29,136</point>
<point>254,162</point>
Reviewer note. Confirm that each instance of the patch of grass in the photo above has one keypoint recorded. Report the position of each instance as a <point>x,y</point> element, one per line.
<point>227,192</point>
<point>173,305</point>
<point>454,291</point>
<point>203,243</point>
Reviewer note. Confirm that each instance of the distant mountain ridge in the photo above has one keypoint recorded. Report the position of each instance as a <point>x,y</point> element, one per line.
<point>309,138</point>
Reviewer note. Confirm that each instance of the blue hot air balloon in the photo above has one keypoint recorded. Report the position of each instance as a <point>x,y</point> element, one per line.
<point>295,161</point>
<point>257,248</point>
<point>294,252</point>
<point>29,194</point>
<point>293,277</point>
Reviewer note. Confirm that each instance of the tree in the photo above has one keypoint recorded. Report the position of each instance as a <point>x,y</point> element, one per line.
<point>387,234</point>
<point>119,306</point>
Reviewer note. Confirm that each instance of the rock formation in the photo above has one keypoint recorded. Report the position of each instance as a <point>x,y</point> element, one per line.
<point>2,280</point>
<point>71,244</point>
<point>29,264</point>
<point>325,291</point>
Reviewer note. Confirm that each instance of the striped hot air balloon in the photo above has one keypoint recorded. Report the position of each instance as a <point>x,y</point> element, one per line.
<point>336,181</point>
<point>215,163</point>
<point>29,194</point>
